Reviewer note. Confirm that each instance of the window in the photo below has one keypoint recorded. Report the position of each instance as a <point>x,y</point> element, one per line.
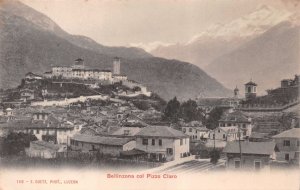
<point>190,129</point>
<point>249,89</point>
<point>37,131</point>
<point>257,165</point>
<point>224,136</point>
<point>181,142</point>
<point>160,142</point>
<point>145,141</point>
<point>287,157</point>
<point>213,136</point>
<point>286,143</point>
<point>184,130</point>
<point>126,132</point>
<point>298,143</point>
<point>153,142</point>
<point>237,164</point>
<point>170,151</point>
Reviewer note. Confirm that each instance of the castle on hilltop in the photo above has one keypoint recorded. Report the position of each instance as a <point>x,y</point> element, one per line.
<point>79,71</point>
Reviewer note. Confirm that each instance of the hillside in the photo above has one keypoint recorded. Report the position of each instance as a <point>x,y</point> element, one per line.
<point>30,41</point>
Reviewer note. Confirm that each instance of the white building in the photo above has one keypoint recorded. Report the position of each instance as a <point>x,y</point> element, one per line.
<point>288,144</point>
<point>163,143</point>
<point>224,133</point>
<point>237,119</point>
<point>196,133</point>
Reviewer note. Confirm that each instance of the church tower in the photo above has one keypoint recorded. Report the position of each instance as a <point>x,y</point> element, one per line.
<point>236,92</point>
<point>250,90</point>
<point>116,66</point>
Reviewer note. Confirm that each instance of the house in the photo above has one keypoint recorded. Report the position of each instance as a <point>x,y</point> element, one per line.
<point>224,133</point>
<point>163,143</point>
<point>42,149</point>
<point>111,146</point>
<point>238,119</point>
<point>26,94</point>
<point>196,133</point>
<point>32,76</point>
<point>50,129</point>
<point>249,155</point>
<point>288,144</point>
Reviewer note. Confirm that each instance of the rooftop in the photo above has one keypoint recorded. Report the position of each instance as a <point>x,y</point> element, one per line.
<point>160,131</point>
<point>113,141</point>
<point>236,116</point>
<point>292,133</point>
<point>251,83</point>
<point>263,148</point>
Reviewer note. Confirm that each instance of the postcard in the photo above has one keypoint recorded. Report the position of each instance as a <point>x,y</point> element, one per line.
<point>149,94</point>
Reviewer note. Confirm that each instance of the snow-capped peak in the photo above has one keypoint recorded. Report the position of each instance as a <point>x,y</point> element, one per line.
<point>260,20</point>
<point>149,46</point>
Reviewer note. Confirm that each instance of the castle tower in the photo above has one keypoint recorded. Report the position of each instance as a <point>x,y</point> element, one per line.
<point>250,90</point>
<point>116,66</point>
<point>79,64</point>
<point>236,92</point>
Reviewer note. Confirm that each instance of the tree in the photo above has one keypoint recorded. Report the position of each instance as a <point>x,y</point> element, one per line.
<point>136,89</point>
<point>14,143</point>
<point>214,156</point>
<point>214,116</point>
<point>189,111</point>
<point>171,112</point>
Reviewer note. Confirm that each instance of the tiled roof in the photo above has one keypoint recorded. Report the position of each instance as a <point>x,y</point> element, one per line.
<point>258,135</point>
<point>236,116</point>
<point>201,128</point>
<point>292,133</point>
<point>113,141</point>
<point>264,148</point>
<point>251,83</point>
<point>160,131</point>
<point>132,131</point>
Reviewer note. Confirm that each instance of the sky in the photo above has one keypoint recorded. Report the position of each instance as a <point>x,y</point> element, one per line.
<point>125,22</point>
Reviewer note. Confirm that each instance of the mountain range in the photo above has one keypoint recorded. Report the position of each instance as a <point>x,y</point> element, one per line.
<point>257,45</point>
<point>30,41</point>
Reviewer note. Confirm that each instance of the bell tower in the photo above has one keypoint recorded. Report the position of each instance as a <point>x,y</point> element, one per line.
<point>116,66</point>
<point>236,92</point>
<point>250,90</point>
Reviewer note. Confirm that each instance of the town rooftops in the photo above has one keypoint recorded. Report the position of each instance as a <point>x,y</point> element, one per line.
<point>112,141</point>
<point>161,131</point>
<point>251,83</point>
<point>262,148</point>
<point>292,133</point>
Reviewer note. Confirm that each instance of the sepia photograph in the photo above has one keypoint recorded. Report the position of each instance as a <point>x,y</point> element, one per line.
<point>149,94</point>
